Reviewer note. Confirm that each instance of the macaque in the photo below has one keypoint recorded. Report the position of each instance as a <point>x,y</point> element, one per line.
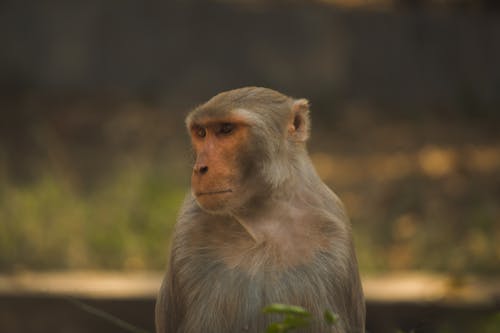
<point>259,226</point>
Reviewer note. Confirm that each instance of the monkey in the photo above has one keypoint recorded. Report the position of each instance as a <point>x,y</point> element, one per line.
<point>258,226</point>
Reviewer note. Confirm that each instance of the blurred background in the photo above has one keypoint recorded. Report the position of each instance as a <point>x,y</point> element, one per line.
<point>95,160</point>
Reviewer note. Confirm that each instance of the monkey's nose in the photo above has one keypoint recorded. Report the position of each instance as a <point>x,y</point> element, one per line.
<point>200,169</point>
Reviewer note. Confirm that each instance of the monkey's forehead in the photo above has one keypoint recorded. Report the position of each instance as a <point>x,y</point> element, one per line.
<point>208,116</point>
<point>249,98</point>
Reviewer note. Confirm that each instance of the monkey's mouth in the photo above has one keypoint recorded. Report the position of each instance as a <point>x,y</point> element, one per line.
<point>199,194</point>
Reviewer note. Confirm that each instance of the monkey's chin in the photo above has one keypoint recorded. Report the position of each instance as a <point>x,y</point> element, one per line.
<point>215,202</point>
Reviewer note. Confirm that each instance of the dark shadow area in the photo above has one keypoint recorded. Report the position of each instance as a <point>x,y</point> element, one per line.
<point>54,315</point>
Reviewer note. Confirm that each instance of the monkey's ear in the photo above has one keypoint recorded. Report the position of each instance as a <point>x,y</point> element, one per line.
<point>299,124</point>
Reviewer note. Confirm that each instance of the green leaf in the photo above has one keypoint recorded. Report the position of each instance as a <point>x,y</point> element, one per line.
<point>330,317</point>
<point>295,322</point>
<point>286,310</point>
<point>275,328</point>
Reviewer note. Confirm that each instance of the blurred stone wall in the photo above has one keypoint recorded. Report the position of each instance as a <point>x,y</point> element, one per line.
<point>191,50</point>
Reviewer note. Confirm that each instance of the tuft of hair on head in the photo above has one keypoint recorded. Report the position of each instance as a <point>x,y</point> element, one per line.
<point>299,124</point>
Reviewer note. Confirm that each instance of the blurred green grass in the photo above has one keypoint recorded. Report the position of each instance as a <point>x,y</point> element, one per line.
<point>124,224</point>
<point>98,185</point>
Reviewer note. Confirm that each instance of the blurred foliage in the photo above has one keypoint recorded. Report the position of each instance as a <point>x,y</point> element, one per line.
<point>98,186</point>
<point>123,224</point>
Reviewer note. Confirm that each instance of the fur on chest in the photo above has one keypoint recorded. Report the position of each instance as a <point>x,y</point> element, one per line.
<point>237,297</point>
<point>279,249</point>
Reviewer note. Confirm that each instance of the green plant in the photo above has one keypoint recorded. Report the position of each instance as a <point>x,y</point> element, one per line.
<point>294,317</point>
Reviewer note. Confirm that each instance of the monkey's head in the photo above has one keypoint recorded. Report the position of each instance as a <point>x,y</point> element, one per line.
<point>247,143</point>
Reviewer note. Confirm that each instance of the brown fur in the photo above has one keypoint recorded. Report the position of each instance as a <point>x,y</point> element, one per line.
<point>276,235</point>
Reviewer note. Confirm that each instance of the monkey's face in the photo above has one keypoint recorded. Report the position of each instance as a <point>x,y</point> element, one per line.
<point>243,141</point>
<point>218,176</point>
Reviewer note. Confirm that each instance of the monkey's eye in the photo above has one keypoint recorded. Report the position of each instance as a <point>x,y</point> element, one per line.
<point>226,128</point>
<point>201,132</point>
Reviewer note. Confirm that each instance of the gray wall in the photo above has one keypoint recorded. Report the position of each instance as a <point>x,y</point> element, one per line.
<point>192,50</point>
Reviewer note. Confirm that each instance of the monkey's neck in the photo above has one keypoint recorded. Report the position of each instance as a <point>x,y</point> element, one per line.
<point>250,229</point>
<point>275,217</point>
<point>281,207</point>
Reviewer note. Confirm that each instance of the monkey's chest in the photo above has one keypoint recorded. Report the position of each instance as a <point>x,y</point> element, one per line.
<point>226,278</point>
<point>234,298</point>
